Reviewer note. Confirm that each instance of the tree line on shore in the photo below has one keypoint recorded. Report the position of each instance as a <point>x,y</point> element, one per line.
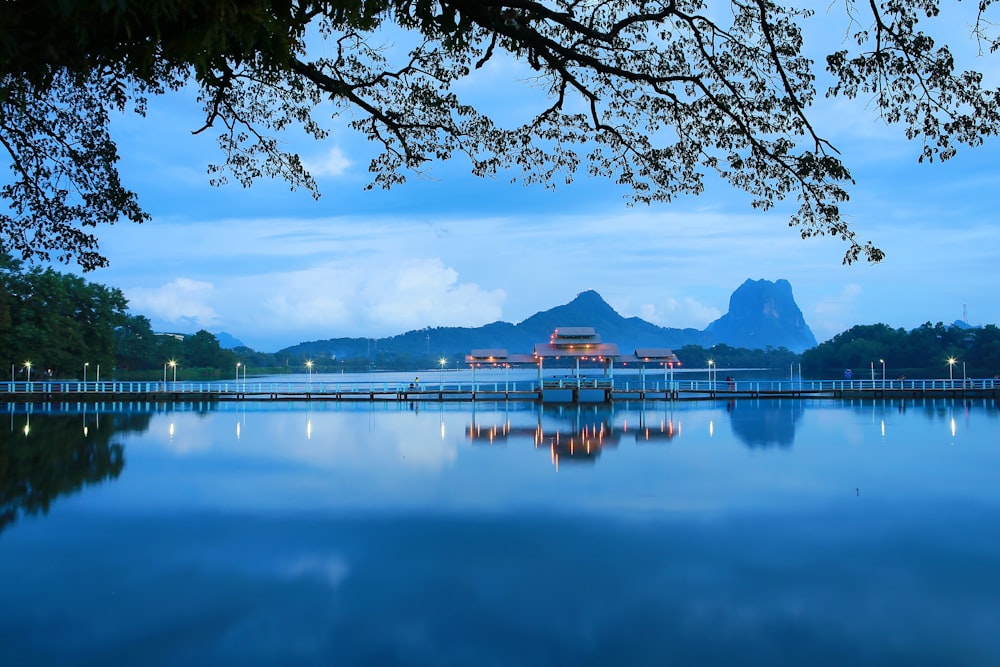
<point>64,326</point>
<point>59,325</point>
<point>928,351</point>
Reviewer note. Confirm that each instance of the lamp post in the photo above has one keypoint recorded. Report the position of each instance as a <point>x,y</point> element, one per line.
<point>951,370</point>
<point>710,364</point>
<point>238,364</point>
<point>173,364</point>
<point>442,362</point>
<point>882,361</point>
<point>85,364</point>
<point>309,365</point>
<point>27,365</point>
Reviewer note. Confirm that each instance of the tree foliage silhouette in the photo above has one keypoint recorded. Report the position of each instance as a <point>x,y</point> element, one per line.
<point>654,95</point>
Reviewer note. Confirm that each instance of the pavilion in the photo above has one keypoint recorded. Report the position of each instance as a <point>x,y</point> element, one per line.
<point>578,344</point>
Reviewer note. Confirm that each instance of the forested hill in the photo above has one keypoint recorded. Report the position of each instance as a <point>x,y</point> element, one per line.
<point>930,350</point>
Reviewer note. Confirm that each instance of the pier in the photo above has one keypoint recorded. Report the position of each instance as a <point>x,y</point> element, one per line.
<point>572,390</point>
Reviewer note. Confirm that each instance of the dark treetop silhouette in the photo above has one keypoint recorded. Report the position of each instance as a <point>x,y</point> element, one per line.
<point>655,95</point>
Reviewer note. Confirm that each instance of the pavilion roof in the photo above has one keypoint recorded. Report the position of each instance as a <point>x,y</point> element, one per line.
<point>490,354</point>
<point>574,342</point>
<point>647,354</point>
<point>549,350</point>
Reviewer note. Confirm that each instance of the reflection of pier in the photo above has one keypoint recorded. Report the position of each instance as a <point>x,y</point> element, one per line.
<point>575,433</point>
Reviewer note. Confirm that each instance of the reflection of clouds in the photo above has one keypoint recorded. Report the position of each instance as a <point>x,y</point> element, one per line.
<point>322,438</point>
<point>331,569</point>
<point>393,457</point>
<point>428,453</point>
<point>182,433</point>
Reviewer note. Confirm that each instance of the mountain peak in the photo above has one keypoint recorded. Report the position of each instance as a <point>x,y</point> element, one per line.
<point>590,300</point>
<point>763,313</point>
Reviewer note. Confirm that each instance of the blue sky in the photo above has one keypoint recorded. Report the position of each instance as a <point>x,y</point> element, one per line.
<point>275,267</point>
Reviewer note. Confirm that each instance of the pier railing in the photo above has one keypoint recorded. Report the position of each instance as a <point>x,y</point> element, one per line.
<point>627,386</point>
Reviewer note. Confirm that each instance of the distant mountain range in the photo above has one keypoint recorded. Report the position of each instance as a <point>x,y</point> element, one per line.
<point>761,314</point>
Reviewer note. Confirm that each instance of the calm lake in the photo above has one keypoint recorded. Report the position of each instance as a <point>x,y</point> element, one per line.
<point>746,533</point>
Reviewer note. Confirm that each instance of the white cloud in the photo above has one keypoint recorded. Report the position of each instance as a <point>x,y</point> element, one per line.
<point>334,163</point>
<point>336,298</point>
<point>182,302</point>
<point>679,313</point>
<point>837,312</point>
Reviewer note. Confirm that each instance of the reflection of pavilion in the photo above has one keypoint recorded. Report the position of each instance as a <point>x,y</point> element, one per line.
<point>574,434</point>
<point>577,345</point>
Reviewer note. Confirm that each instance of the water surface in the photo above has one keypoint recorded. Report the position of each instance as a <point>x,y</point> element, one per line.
<point>783,532</point>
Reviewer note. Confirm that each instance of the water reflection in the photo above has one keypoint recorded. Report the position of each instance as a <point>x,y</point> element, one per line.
<point>765,423</point>
<point>581,433</point>
<point>573,433</point>
<point>369,534</point>
<point>58,454</point>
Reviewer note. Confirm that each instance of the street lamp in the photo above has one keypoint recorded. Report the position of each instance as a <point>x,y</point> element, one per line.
<point>238,364</point>
<point>85,364</point>
<point>173,364</point>
<point>27,365</point>
<point>309,365</point>
<point>711,363</point>
<point>882,361</point>
<point>951,370</point>
<point>442,362</point>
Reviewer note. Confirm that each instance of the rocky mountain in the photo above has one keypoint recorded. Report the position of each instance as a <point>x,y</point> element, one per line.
<point>761,314</point>
<point>227,341</point>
